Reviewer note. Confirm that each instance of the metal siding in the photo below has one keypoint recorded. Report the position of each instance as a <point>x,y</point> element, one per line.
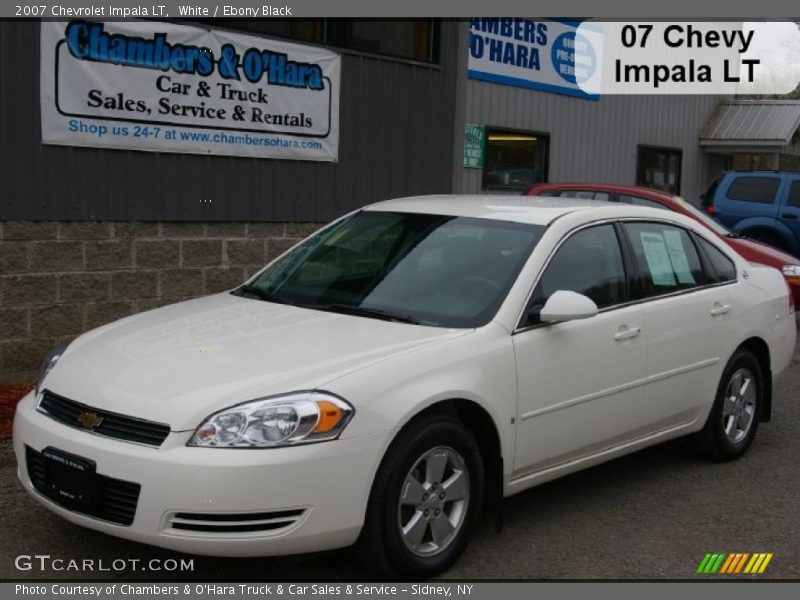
<point>396,138</point>
<point>753,120</point>
<point>593,140</point>
<point>596,141</point>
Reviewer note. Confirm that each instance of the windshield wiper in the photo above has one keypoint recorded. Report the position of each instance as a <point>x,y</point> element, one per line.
<point>259,293</point>
<point>349,309</point>
<point>362,311</point>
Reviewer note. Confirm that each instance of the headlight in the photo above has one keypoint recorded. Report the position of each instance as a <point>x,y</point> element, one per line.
<point>298,418</point>
<point>48,365</point>
<point>791,271</point>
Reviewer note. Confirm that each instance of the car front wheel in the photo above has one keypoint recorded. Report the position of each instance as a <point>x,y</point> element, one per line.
<point>425,500</point>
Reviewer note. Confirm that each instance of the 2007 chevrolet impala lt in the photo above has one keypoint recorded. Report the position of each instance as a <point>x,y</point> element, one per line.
<point>391,375</point>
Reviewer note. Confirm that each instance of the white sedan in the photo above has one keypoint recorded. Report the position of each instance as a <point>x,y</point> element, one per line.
<point>403,368</point>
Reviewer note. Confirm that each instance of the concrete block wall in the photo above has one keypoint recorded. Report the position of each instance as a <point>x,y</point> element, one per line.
<point>59,279</point>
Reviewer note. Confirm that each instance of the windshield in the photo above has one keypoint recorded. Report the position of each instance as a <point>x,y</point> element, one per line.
<point>698,214</point>
<point>429,269</point>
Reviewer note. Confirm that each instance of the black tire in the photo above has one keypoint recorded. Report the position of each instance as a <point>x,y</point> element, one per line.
<point>770,238</point>
<point>381,546</point>
<point>715,439</point>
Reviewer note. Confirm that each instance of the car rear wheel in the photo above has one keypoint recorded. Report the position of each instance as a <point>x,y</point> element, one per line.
<point>733,421</point>
<point>425,500</point>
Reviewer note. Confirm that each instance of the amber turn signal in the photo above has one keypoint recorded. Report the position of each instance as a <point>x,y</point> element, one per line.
<point>329,416</point>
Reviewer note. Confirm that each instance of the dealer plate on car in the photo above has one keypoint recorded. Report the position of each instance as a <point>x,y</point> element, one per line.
<point>70,478</point>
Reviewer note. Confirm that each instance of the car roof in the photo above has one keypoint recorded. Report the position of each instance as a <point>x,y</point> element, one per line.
<point>520,209</point>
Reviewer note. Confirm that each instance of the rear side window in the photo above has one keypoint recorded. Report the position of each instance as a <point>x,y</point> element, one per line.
<point>724,269</point>
<point>585,195</point>
<point>637,201</point>
<point>754,189</point>
<point>794,195</point>
<point>589,263</point>
<point>666,257</point>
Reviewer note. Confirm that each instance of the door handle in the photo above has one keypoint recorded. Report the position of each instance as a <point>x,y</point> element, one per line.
<point>789,216</point>
<point>627,334</point>
<point>720,309</point>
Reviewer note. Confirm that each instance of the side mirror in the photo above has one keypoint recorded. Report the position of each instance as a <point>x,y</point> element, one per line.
<point>567,306</point>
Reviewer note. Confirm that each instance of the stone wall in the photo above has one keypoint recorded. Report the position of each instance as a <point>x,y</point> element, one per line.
<point>59,279</point>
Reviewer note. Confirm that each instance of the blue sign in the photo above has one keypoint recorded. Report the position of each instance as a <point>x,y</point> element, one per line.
<point>537,54</point>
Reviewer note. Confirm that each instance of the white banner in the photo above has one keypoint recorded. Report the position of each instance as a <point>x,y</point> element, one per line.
<point>163,87</point>
<point>722,58</point>
<point>540,54</point>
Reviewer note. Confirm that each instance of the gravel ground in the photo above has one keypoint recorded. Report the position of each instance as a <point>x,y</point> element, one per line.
<point>650,515</point>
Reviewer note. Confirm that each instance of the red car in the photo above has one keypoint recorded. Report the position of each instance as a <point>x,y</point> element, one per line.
<point>749,249</point>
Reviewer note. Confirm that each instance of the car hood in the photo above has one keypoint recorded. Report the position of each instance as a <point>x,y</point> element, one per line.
<point>180,363</point>
<point>761,253</point>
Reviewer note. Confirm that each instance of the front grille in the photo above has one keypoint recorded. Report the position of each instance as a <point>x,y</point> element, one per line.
<point>235,522</point>
<point>116,502</point>
<point>111,424</point>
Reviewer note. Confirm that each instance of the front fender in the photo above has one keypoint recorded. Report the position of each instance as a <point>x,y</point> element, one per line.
<point>479,367</point>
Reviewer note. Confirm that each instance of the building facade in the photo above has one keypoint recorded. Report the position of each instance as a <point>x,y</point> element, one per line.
<point>92,234</point>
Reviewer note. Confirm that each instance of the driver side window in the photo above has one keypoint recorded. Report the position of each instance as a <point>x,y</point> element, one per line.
<point>589,262</point>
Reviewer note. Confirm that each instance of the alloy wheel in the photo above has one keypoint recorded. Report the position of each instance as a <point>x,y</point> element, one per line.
<point>739,405</point>
<point>433,503</point>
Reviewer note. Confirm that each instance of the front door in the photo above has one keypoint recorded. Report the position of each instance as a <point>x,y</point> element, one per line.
<point>579,382</point>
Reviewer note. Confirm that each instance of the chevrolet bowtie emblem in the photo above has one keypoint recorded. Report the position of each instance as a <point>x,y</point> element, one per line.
<point>89,420</point>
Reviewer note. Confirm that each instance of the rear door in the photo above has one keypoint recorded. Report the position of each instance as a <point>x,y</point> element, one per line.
<point>687,311</point>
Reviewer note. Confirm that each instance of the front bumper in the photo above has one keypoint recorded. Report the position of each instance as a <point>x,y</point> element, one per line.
<point>327,484</point>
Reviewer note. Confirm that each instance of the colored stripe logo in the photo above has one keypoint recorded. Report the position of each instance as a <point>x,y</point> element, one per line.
<point>734,563</point>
